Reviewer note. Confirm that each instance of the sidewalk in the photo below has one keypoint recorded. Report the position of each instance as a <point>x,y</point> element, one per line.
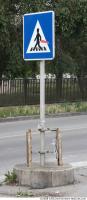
<point>78,189</point>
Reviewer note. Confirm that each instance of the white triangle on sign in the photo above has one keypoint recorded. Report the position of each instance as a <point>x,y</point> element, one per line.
<point>38,43</point>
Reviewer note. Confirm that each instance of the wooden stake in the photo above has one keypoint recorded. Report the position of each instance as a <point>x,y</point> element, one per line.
<point>59,147</point>
<point>29,147</point>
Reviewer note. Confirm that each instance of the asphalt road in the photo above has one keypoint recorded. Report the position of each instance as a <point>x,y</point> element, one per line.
<point>13,140</point>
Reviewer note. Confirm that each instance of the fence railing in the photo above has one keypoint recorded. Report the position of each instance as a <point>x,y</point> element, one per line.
<point>27,91</point>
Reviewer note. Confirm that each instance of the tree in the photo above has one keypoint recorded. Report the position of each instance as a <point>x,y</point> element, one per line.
<point>71,33</point>
<point>4,39</point>
<point>71,40</point>
<point>71,36</point>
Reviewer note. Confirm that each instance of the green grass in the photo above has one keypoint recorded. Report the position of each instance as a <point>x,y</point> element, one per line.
<point>35,110</point>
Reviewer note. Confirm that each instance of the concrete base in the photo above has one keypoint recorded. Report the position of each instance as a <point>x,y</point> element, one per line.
<point>50,175</point>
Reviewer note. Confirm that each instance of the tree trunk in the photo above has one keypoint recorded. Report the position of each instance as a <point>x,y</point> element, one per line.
<point>0,78</point>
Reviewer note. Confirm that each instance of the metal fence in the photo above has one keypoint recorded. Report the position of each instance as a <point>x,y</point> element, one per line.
<point>27,91</point>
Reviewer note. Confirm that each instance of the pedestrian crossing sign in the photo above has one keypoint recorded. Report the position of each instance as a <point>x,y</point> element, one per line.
<point>38,36</point>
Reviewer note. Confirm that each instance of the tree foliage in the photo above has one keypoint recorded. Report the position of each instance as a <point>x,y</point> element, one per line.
<point>71,36</point>
<point>71,33</point>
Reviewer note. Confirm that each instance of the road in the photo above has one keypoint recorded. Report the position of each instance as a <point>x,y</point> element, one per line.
<point>13,140</point>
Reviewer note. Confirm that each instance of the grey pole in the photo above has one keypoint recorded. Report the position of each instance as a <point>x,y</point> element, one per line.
<point>42,113</point>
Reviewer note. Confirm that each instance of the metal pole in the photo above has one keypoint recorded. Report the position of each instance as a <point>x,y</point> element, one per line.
<point>42,113</point>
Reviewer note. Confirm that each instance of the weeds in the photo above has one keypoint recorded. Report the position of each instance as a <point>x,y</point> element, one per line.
<point>35,110</point>
<point>10,177</point>
<point>24,194</point>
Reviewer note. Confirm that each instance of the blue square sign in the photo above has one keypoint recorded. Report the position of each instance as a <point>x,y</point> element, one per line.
<point>38,36</point>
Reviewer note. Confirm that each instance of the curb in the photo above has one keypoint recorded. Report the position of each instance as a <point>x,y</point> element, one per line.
<point>19,118</point>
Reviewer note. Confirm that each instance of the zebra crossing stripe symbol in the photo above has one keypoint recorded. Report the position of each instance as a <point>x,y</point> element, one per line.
<point>38,42</point>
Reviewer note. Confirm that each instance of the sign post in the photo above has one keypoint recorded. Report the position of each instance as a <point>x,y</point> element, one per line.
<point>38,44</point>
<point>42,112</point>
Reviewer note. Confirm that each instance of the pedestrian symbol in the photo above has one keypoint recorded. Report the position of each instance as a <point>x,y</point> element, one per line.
<point>38,42</point>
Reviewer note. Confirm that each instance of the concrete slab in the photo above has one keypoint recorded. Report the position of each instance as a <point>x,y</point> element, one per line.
<point>50,175</point>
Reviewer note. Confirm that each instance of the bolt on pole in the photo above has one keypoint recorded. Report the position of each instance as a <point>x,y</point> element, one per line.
<point>42,113</point>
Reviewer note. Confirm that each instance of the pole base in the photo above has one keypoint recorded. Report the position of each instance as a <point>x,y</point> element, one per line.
<point>50,175</point>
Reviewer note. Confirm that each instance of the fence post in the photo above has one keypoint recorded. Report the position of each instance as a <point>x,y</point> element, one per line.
<point>29,147</point>
<point>59,147</point>
<point>25,91</point>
